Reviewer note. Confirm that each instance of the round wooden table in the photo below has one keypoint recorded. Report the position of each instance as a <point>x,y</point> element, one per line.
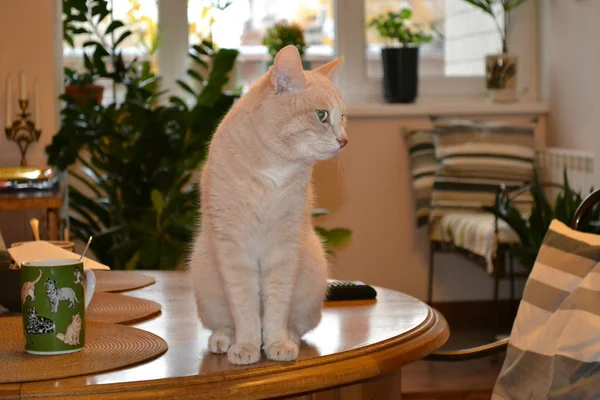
<point>355,353</point>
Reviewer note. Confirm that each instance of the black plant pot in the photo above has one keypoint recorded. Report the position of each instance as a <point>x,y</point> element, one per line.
<point>400,74</point>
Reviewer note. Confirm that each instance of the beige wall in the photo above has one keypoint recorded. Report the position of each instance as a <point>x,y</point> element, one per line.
<point>569,73</point>
<point>28,32</point>
<point>368,189</point>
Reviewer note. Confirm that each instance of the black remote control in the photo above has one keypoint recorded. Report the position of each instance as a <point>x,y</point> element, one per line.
<point>349,290</point>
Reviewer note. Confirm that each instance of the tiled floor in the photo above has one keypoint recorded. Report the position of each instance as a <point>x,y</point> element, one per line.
<point>465,380</point>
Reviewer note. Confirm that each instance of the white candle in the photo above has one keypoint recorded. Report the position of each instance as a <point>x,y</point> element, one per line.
<point>36,99</point>
<point>8,101</point>
<point>23,87</point>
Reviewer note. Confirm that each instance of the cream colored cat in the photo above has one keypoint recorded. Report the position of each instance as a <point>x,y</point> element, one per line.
<point>259,269</point>
<point>71,335</point>
<point>28,289</point>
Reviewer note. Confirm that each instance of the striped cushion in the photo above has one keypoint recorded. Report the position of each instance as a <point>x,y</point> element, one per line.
<point>554,347</point>
<point>475,233</point>
<point>419,144</point>
<point>475,158</point>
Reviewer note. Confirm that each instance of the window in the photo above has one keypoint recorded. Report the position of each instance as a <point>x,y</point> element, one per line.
<point>427,13</point>
<point>452,64</point>
<point>242,25</point>
<point>462,36</point>
<point>140,17</point>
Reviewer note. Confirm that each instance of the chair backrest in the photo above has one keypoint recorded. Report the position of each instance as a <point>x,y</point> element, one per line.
<point>475,157</point>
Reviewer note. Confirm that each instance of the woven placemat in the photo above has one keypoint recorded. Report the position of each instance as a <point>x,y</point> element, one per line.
<point>120,309</point>
<point>108,347</point>
<point>120,281</point>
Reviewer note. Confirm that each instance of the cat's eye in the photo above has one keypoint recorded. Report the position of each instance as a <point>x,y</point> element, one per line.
<point>322,115</point>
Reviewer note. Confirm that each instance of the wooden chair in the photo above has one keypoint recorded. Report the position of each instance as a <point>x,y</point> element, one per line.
<point>579,222</point>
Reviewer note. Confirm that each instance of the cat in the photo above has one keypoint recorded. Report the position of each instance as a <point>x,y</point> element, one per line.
<point>38,325</point>
<point>71,335</point>
<point>56,295</point>
<point>78,277</point>
<point>259,269</point>
<point>28,289</point>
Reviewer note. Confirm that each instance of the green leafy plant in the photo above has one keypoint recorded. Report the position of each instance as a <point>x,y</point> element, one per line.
<point>532,229</point>
<point>397,26</point>
<point>131,163</point>
<point>332,238</point>
<point>491,7</point>
<point>283,34</point>
<point>136,161</point>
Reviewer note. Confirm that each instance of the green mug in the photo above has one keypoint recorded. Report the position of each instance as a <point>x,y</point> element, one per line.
<point>54,297</point>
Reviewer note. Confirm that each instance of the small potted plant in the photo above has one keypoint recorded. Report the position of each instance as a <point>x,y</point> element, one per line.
<point>282,34</point>
<point>501,69</point>
<point>81,86</point>
<point>400,58</point>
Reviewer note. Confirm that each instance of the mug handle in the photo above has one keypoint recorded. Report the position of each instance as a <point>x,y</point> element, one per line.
<point>90,285</point>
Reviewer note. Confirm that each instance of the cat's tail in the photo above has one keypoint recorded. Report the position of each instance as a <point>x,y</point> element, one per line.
<point>60,336</point>
<point>38,278</point>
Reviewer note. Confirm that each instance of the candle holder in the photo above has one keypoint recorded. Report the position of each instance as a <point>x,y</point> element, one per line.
<point>23,131</point>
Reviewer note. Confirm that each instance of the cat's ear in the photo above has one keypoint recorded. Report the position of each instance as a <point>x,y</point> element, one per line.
<point>331,68</point>
<point>287,74</point>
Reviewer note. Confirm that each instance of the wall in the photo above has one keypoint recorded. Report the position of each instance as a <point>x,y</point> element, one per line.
<point>570,73</point>
<point>28,35</point>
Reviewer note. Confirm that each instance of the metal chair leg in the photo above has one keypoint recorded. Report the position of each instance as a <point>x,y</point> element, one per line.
<point>511,274</point>
<point>496,300</point>
<point>430,278</point>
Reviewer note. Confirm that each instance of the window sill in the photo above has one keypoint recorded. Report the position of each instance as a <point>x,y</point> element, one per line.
<point>430,107</point>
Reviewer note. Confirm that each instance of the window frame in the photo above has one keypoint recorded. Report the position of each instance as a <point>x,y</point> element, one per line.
<point>355,84</point>
<point>350,42</point>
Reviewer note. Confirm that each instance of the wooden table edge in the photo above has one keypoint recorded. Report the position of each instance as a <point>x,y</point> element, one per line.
<point>285,379</point>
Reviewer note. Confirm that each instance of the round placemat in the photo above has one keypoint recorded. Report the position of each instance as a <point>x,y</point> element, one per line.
<point>120,281</point>
<point>108,347</point>
<point>120,309</point>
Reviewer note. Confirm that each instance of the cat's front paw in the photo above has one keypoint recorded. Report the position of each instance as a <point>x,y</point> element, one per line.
<point>243,353</point>
<point>220,341</point>
<point>284,350</point>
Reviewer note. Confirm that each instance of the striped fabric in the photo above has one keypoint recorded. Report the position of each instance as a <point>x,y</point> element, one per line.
<point>419,144</point>
<point>475,158</point>
<point>554,348</point>
<point>475,233</point>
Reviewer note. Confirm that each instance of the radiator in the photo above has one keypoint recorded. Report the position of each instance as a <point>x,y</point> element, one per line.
<point>579,165</point>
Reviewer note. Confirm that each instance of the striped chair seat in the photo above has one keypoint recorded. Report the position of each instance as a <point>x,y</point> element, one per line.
<point>474,232</point>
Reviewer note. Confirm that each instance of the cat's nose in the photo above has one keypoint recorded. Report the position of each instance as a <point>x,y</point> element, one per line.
<point>342,141</point>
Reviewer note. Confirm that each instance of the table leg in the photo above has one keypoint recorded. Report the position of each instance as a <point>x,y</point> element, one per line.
<point>52,224</point>
<point>387,387</point>
<point>10,390</point>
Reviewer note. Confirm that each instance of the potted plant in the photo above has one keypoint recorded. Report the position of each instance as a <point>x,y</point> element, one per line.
<point>81,87</point>
<point>531,229</point>
<point>500,69</point>
<point>400,58</point>
<point>81,17</point>
<point>282,34</point>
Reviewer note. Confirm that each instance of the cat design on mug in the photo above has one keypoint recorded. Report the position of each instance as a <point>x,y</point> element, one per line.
<point>56,295</point>
<point>78,277</point>
<point>28,289</point>
<point>38,325</point>
<point>71,335</point>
